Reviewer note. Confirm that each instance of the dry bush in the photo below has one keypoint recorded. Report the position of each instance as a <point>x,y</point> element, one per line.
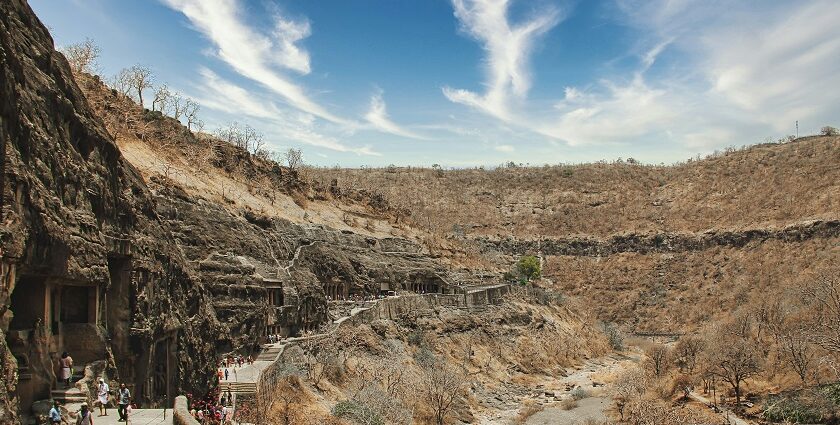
<point>569,404</point>
<point>527,411</point>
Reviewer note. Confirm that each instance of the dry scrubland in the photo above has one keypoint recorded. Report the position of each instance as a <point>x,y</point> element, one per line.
<point>434,366</point>
<point>759,186</point>
<point>748,301</point>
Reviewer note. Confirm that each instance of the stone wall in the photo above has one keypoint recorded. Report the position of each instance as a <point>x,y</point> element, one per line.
<point>181,412</point>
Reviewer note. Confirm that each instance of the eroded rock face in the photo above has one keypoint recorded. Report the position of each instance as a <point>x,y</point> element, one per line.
<point>87,261</point>
<point>240,258</point>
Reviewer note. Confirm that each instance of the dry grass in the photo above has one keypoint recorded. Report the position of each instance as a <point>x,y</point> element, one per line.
<point>762,185</point>
<point>528,410</point>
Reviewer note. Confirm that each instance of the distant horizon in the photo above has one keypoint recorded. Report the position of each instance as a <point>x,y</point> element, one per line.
<point>481,83</point>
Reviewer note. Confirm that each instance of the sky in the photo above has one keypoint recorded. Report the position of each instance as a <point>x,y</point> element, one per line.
<point>466,83</point>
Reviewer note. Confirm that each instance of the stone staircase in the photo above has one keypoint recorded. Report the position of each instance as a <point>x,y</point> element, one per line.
<point>238,387</point>
<point>70,395</point>
<point>269,353</point>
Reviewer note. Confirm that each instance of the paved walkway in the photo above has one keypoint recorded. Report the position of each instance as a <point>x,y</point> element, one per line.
<point>138,417</point>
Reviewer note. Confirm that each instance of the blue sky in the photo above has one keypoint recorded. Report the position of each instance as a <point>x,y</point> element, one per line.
<point>481,82</point>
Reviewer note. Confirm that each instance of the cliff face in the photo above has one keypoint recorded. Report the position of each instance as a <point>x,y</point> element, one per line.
<point>88,265</point>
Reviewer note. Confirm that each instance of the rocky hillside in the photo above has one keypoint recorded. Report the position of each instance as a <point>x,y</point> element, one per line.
<point>768,185</point>
<point>79,227</point>
<point>655,248</point>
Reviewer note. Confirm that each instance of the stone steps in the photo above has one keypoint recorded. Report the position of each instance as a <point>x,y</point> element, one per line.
<point>69,395</point>
<point>238,387</point>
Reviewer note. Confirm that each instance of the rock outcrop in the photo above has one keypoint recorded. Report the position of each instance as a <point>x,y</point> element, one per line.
<point>88,265</point>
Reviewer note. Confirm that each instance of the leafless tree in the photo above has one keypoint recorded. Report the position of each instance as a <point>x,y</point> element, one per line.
<point>178,104</point>
<point>294,159</point>
<point>441,385</point>
<point>82,56</point>
<point>630,384</point>
<point>823,296</point>
<point>191,109</point>
<point>162,98</point>
<point>732,357</point>
<point>140,79</point>
<point>797,351</point>
<point>122,82</point>
<point>657,362</point>
<point>686,351</point>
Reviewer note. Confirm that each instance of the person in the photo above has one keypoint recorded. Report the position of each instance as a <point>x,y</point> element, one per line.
<point>230,397</point>
<point>124,398</point>
<point>65,365</point>
<point>84,417</point>
<point>55,413</point>
<point>128,410</point>
<point>226,374</point>
<point>102,397</point>
<point>224,413</point>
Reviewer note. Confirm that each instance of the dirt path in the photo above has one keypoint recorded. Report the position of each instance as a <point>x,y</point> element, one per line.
<point>728,414</point>
<point>553,390</point>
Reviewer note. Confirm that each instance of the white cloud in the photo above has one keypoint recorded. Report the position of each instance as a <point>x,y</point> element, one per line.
<point>504,148</point>
<point>508,48</point>
<point>281,125</point>
<point>378,117</point>
<point>254,55</point>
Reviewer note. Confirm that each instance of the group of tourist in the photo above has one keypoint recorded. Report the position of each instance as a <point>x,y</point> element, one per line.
<point>274,338</point>
<point>212,409</point>
<point>103,395</point>
<point>236,361</point>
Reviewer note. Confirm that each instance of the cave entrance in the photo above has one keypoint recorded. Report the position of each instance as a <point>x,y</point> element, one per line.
<point>159,388</point>
<point>335,289</point>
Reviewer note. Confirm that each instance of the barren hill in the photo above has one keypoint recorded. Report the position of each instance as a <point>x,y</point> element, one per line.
<point>655,248</point>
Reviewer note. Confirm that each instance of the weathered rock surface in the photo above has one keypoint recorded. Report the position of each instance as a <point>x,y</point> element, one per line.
<point>75,213</point>
<point>658,242</point>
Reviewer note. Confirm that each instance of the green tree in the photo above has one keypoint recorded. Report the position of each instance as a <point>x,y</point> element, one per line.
<point>529,268</point>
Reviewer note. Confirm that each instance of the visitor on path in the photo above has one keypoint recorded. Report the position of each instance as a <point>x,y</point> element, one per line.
<point>224,413</point>
<point>124,399</point>
<point>102,393</point>
<point>55,414</point>
<point>84,417</point>
<point>65,365</point>
<point>128,410</point>
<point>226,374</point>
<point>230,397</point>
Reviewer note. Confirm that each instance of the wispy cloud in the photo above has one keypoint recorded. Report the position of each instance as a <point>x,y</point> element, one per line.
<point>378,117</point>
<point>508,47</point>
<point>254,55</point>
<point>504,148</point>
<point>282,125</point>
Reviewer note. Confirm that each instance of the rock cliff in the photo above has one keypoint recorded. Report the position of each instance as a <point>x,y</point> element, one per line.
<point>88,264</point>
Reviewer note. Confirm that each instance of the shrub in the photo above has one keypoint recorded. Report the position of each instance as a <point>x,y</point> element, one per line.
<point>357,412</point>
<point>579,393</point>
<point>614,337</point>
<point>568,404</point>
<point>529,267</point>
<point>829,131</point>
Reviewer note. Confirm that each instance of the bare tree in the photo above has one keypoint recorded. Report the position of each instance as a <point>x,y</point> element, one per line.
<point>82,56</point>
<point>631,383</point>
<point>191,109</point>
<point>686,351</point>
<point>823,296</point>
<point>122,82</point>
<point>162,98</point>
<point>657,362</point>
<point>178,104</point>
<point>733,358</point>
<point>140,79</point>
<point>797,351</point>
<point>294,159</point>
<point>441,385</point>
